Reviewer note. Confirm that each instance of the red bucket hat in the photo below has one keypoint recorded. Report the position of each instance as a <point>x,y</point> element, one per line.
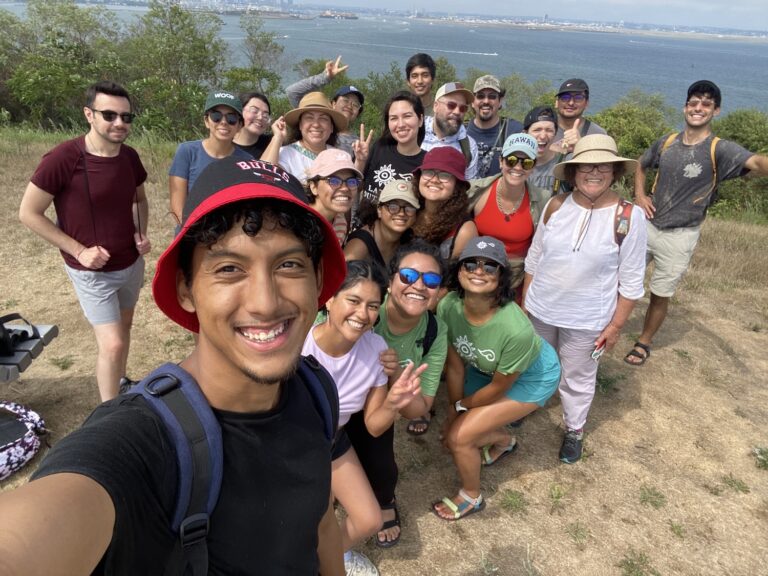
<point>224,182</point>
<point>445,158</point>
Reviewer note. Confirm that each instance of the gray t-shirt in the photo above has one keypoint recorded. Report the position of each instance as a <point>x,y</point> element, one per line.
<point>684,188</point>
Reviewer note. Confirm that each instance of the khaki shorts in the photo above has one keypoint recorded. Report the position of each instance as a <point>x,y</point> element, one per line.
<point>670,251</point>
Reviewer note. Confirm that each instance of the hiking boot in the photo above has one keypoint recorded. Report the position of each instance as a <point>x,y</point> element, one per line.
<point>358,565</point>
<point>570,451</point>
<point>125,384</point>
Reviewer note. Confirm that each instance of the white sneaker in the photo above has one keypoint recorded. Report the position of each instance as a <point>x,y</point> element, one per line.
<point>359,565</point>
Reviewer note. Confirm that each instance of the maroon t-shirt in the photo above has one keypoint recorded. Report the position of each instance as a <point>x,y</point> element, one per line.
<point>97,210</point>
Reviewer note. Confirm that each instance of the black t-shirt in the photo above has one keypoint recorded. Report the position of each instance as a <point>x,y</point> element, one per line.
<point>257,148</point>
<point>275,488</point>
<point>385,163</point>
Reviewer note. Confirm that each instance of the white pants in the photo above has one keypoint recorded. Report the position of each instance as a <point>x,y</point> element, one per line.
<point>579,371</point>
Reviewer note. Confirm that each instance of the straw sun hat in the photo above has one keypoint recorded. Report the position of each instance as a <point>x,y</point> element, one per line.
<point>316,101</point>
<point>595,149</point>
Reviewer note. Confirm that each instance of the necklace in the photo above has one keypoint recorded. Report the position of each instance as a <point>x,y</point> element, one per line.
<point>508,214</point>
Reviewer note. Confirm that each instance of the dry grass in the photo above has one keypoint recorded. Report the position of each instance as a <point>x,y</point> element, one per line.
<point>684,425</point>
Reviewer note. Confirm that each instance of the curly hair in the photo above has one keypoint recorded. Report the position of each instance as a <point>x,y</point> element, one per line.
<point>415,246</point>
<point>255,215</point>
<point>450,215</point>
<point>504,291</point>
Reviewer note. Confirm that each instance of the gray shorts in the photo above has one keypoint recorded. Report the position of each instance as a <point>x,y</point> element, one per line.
<point>103,295</point>
<point>670,251</point>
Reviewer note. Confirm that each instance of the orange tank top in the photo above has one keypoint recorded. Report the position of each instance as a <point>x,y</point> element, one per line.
<point>515,230</point>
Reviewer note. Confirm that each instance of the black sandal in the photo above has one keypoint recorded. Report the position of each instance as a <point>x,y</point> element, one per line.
<point>635,354</point>
<point>395,522</point>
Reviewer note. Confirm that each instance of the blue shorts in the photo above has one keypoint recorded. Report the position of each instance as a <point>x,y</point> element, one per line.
<point>534,386</point>
<point>104,295</point>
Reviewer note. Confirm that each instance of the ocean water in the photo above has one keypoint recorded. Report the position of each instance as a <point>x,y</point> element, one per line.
<point>612,64</point>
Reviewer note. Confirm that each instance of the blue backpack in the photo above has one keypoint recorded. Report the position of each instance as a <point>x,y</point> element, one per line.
<point>196,435</point>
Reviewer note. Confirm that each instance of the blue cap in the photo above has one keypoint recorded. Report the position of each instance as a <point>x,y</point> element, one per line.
<point>524,143</point>
<point>344,90</point>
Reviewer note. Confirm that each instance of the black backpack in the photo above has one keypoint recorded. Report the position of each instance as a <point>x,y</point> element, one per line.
<point>429,334</point>
<point>196,435</point>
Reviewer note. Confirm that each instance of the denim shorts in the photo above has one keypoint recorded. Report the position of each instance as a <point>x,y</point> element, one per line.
<point>103,295</point>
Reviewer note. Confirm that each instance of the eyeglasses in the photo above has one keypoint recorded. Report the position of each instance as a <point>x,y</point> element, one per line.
<point>487,96</point>
<point>587,168</point>
<point>451,105</point>
<point>350,102</point>
<point>526,163</point>
<point>258,112</point>
<point>335,182</point>
<point>111,115</point>
<point>444,177</point>
<point>572,96</point>
<point>489,268</point>
<point>410,276</point>
<point>232,118</point>
<point>696,102</point>
<point>395,208</point>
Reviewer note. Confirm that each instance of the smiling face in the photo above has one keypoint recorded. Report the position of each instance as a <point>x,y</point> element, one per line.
<point>334,201</point>
<point>222,130</point>
<point>400,221</point>
<point>116,131</point>
<point>256,116</point>
<point>403,122</point>
<point>413,300</point>
<point>514,176</point>
<point>420,81</point>
<point>433,188</point>
<point>449,115</point>
<point>486,104</point>
<point>544,131</point>
<point>571,104</point>
<point>349,105</point>
<point>353,311</point>
<point>316,128</point>
<point>594,179</point>
<point>255,299</point>
<point>479,281</point>
<point>700,110</point>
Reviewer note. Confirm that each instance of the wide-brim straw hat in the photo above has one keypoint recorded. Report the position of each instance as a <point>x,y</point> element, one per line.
<point>316,102</point>
<point>595,149</point>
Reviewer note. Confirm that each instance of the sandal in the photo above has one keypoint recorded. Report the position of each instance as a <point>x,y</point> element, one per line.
<point>468,506</point>
<point>488,461</point>
<point>416,423</point>
<point>636,354</point>
<point>389,524</point>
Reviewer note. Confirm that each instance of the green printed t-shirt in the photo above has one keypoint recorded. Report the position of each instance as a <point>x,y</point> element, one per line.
<point>506,343</point>
<point>409,347</point>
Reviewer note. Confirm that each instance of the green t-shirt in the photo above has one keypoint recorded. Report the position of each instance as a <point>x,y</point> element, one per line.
<point>409,347</point>
<point>506,343</point>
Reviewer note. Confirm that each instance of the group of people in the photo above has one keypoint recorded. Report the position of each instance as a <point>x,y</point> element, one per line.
<point>496,257</point>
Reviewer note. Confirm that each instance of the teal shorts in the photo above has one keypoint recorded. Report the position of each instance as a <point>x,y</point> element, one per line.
<point>534,386</point>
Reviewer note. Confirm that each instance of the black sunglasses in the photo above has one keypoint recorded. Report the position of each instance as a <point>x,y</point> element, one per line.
<point>216,116</point>
<point>410,276</point>
<point>111,115</point>
<point>489,268</point>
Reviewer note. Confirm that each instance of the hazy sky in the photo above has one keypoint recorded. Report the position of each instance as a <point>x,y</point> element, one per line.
<point>744,14</point>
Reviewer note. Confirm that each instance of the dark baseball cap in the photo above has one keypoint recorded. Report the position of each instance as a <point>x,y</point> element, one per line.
<point>574,85</point>
<point>705,87</point>
<point>540,114</point>
<point>486,248</point>
<point>345,90</point>
<point>225,182</point>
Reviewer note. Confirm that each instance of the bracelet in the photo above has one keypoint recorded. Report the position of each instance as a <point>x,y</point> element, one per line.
<point>78,254</point>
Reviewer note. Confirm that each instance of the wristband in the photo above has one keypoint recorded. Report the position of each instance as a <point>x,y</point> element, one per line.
<point>459,407</point>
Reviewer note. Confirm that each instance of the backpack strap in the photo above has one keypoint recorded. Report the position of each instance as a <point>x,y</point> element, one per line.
<point>466,149</point>
<point>430,334</point>
<point>554,205</point>
<point>324,393</point>
<point>667,144</point>
<point>622,221</point>
<point>196,435</point>
<point>712,147</point>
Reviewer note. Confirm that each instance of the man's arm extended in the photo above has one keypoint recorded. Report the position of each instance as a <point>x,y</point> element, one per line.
<point>59,524</point>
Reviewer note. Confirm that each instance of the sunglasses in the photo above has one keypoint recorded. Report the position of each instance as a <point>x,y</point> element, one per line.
<point>395,208</point>
<point>410,276</point>
<point>571,96</point>
<point>587,168</point>
<point>526,163</point>
<point>704,103</point>
<point>444,177</point>
<point>111,115</point>
<point>489,268</point>
<point>453,105</point>
<point>231,117</point>
<point>335,182</point>
<point>487,96</point>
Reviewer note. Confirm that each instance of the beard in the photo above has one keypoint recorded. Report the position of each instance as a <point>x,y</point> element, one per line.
<point>448,126</point>
<point>272,379</point>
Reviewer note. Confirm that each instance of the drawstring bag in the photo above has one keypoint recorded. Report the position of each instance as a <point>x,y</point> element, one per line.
<point>20,433</point>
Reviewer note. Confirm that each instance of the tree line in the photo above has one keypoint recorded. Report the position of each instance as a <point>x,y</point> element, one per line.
<point>170,57</point>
